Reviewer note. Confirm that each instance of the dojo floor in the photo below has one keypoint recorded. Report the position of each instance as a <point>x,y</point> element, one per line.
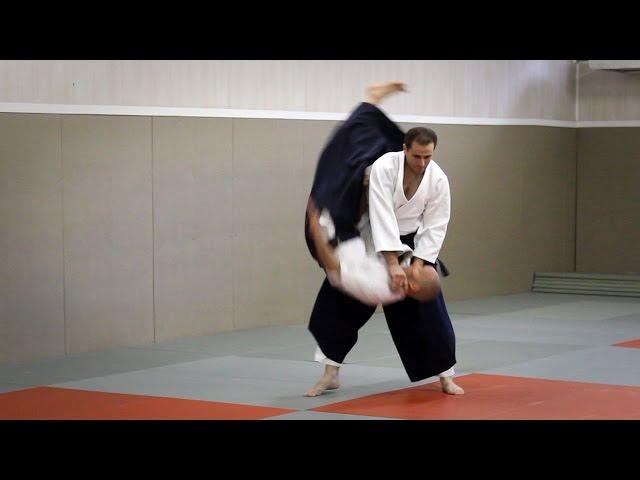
<point>523,356</point>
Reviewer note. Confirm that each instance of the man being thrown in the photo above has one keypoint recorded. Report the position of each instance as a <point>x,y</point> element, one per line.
<point>355,269</point>
<point>421,331</point>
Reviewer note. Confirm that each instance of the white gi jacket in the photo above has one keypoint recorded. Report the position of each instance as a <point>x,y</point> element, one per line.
<point>391,215</point>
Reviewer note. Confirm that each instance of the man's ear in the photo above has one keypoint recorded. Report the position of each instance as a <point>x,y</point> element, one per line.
<point>412,287</point>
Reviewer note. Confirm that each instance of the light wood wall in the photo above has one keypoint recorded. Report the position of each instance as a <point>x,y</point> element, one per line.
<point>121,231</point>
<point>608,220</point>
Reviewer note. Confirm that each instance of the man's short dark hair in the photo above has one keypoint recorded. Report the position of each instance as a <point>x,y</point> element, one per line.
<point>421,135</point>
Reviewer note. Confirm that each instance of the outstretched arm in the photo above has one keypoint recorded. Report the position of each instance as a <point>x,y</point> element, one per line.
<point>430,235</point>
<point>384,226</point>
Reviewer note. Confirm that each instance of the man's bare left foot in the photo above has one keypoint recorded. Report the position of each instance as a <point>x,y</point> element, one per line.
<point>326,382</point>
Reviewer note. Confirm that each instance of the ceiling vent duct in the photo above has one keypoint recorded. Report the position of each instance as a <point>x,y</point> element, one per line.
<point>626,66</point>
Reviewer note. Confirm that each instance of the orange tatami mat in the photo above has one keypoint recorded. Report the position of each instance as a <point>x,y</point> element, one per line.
<point>47,403</point>
<point>629,344</point>
<point>500,397</point>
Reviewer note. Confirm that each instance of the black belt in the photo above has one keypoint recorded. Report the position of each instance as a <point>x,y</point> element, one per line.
<point>443,268</point>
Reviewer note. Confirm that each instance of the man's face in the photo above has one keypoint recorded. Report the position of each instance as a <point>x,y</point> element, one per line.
<point>418,157</point>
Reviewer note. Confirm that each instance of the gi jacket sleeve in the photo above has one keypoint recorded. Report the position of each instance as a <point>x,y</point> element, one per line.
<point>384,226</point>
<point>430,235</point>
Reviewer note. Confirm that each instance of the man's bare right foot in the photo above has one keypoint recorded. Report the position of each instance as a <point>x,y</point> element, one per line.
<point>326,382</point>
<point>448,386</point>
<point>378,91</point>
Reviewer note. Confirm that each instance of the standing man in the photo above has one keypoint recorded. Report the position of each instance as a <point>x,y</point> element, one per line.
<point>409,204</point>
<point>426,347</point>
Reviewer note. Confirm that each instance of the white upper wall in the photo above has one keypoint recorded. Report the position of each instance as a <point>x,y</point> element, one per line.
<point>608,95</point>
<point>525,89</point>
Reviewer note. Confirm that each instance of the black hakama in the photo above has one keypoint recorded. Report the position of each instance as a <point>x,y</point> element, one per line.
<point>422,332</point>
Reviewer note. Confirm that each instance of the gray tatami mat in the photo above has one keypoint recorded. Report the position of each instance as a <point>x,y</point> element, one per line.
<point>611,365</point>
<point>564,337</point>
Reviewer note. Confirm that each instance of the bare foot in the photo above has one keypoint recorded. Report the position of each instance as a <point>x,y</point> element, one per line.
<point>449,387</point>
<point>377,91</point>
<point>326,382</point>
